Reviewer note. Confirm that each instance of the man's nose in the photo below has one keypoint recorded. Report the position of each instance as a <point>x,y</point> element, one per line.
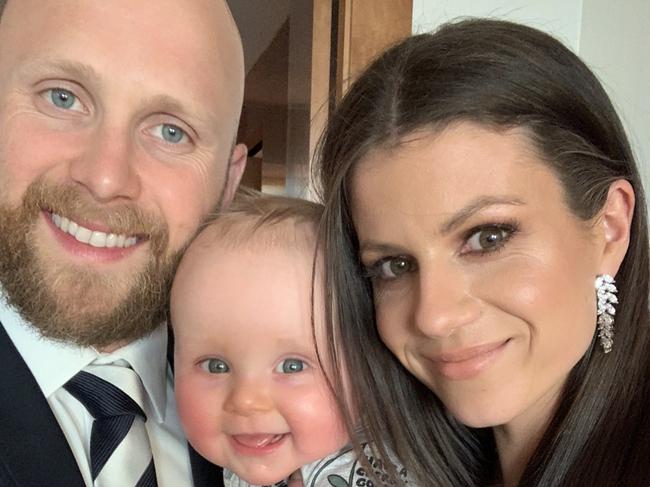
<point>443,302</point>
<point>107,166</point>
<point>248,397</point>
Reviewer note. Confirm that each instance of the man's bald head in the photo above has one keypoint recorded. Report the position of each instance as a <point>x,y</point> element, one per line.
<point>120,118</point>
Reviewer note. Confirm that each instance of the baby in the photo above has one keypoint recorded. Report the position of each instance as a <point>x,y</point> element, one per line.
<point>252,395</point>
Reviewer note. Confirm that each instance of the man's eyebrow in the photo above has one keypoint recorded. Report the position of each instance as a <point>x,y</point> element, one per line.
<point>65,67</point>
<point>474,207</point>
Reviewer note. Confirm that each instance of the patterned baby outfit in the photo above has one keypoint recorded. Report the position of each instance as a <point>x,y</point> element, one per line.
<point>341,469</point>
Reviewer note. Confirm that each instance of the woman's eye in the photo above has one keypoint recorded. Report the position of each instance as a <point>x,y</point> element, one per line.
<point>488,238</point>
<point>215,366</point>
<point>391,268</point>
<point>63,99</point>
<point>170,133</point>
<point>291,366</point>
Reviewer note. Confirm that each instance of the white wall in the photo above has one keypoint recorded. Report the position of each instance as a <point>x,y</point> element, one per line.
<point>612,37</point>
<point>615,43</point>
<point>559,17</point>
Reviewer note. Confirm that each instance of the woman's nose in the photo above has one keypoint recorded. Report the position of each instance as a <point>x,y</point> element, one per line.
<point>443,302</point>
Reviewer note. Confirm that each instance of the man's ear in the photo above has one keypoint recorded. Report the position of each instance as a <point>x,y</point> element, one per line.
<point>615,220</point>
<point>236,166</point>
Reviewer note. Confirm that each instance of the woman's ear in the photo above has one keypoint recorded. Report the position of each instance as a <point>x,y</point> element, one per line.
<point>614,220</point>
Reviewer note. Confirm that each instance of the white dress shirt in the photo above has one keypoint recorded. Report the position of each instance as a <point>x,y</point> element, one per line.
<point>53,363</point>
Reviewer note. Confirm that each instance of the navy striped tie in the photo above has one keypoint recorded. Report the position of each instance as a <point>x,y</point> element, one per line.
<point>118,427</point>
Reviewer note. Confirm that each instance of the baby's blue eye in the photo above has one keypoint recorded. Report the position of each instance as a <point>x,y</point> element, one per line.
<point>62,98</point>
<point>172,133</point>
<point>215,366</point>
<point>291,366</point>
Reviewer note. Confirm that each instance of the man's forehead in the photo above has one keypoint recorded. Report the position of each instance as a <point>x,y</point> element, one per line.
<point>189,48</point>
<point>204,28</point>
<point>204,23</point>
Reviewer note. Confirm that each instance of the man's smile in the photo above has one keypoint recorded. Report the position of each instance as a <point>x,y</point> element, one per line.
<point>92,237</point>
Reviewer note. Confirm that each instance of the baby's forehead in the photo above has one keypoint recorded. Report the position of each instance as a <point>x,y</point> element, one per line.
<point>277,263</point>
<point>243,239</point>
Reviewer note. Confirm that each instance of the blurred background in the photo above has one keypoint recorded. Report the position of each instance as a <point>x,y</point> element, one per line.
<point>302,54</point>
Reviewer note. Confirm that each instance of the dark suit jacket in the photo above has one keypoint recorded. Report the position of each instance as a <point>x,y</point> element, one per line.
<point>33,450</point>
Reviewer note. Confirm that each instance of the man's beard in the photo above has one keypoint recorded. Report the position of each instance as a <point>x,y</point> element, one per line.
<point>73,303</point>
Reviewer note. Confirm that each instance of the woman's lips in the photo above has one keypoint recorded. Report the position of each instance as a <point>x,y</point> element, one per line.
<point>468,362</point>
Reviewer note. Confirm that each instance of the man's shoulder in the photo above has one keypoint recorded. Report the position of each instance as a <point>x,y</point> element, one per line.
<point>33,449</point>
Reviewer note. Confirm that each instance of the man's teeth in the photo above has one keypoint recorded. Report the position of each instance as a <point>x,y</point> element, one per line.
<point>90,237</point>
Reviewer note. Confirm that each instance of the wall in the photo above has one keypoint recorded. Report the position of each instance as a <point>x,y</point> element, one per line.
<point>612,38</point>
<point>615,43</point>
<point>559,17</point>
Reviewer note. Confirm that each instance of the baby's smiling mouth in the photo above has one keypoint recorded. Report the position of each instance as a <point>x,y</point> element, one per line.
<point>261,440</point>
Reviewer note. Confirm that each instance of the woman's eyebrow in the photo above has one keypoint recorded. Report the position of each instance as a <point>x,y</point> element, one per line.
<point>380,248</point>
<point>474,207</point>
<point>456,219</point>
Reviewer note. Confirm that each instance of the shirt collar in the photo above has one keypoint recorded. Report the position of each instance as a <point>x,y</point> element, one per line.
<point>53,363</point>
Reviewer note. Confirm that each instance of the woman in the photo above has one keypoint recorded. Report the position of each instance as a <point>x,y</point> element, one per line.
<point>478,182</point>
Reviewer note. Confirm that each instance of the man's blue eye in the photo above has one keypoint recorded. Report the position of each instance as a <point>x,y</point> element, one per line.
<point>291,366</point>
<point>215,366</point>
<point>62,98</point>
<point>172,133</point>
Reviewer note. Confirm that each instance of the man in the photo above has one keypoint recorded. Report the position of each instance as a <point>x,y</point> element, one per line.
<point>117,122</point>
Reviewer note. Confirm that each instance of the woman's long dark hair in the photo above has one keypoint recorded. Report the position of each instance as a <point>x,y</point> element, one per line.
<point>502,75</point>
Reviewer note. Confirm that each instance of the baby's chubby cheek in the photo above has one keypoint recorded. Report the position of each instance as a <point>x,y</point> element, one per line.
<point>199,420</point>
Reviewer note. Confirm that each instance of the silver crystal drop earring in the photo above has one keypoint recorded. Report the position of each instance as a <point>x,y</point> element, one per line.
<point>606,295</point>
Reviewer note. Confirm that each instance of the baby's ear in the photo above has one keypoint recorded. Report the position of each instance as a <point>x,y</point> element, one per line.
<point>614,221</point>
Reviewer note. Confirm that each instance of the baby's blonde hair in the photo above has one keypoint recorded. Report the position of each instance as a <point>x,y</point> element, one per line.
<point>272,221</point>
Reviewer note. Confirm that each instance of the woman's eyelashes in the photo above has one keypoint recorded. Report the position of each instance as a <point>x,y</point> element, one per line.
<point>481,240</point>
<point>488,238</point>
<point>391,268</point>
